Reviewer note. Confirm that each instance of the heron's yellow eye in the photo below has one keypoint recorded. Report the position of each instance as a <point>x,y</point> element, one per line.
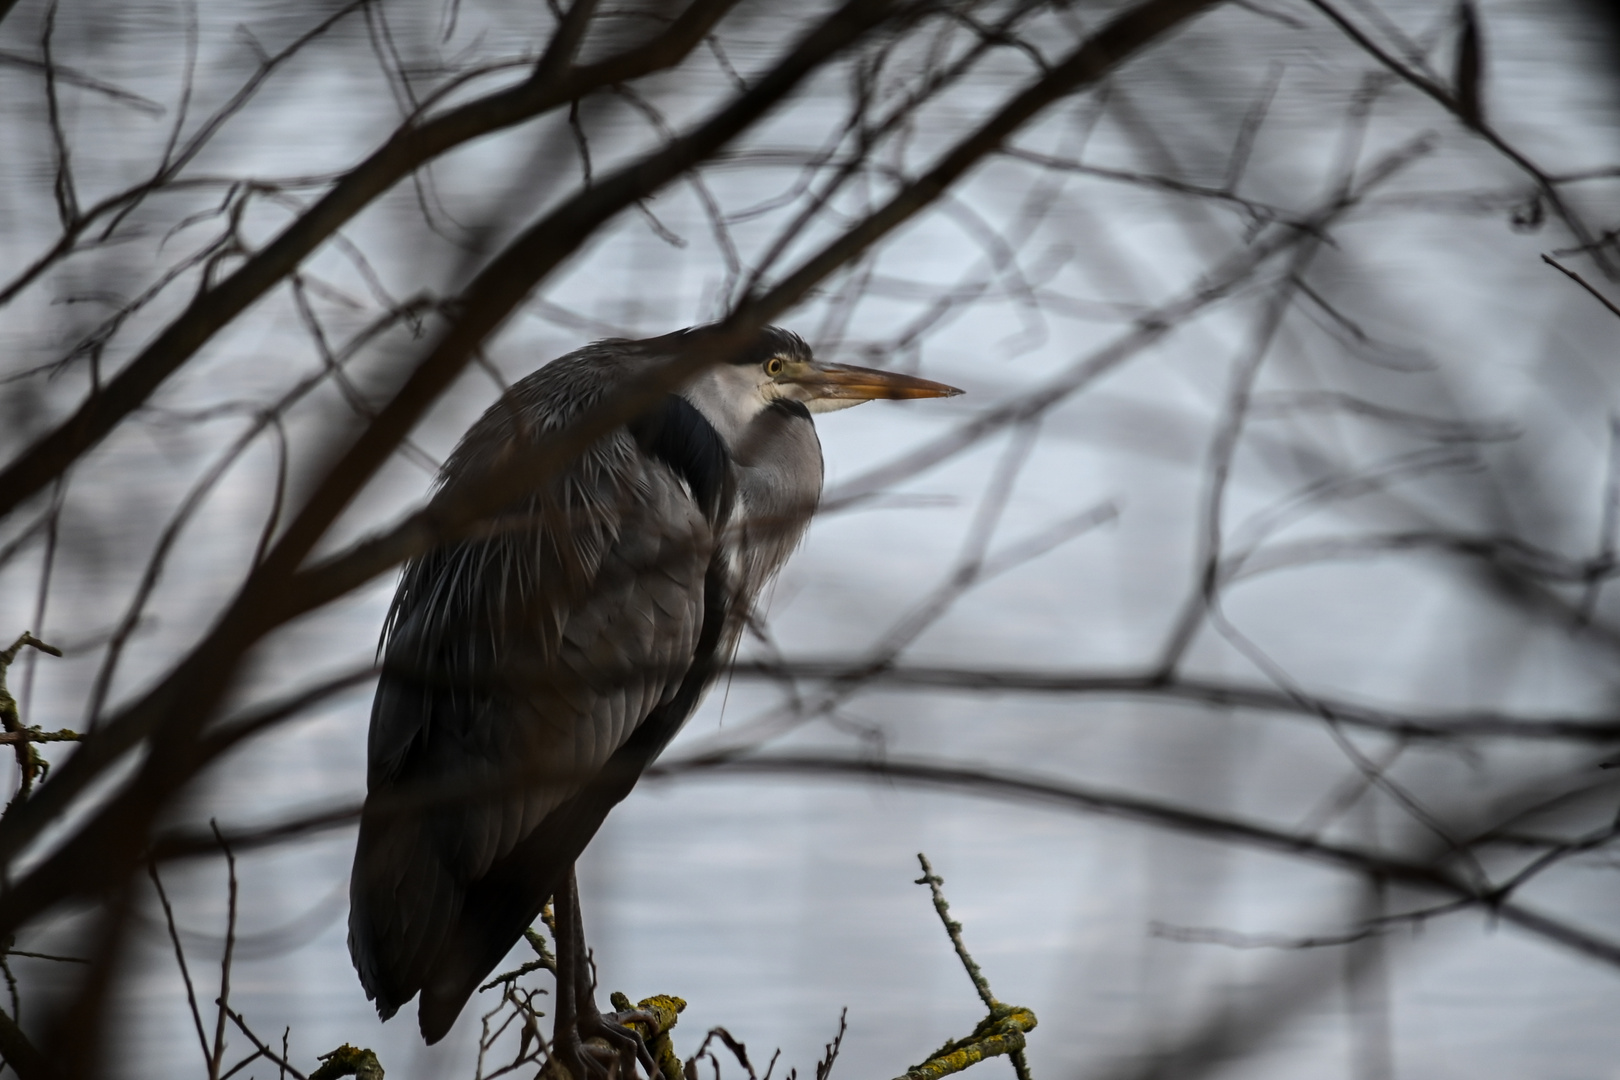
<point>773,366</point>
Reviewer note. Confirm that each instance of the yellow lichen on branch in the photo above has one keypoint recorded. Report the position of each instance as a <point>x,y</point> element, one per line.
<point>29,764</point>
<point>997,1034</point>
<point>347,1060</point>
<point>1003,1028</point>
<point>659,1014</point>
<point>34,734</point>
<point>651,1018</point>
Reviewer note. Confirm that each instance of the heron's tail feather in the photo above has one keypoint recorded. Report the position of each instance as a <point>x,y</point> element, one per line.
<point>496,910</point>
<point>402,900</point>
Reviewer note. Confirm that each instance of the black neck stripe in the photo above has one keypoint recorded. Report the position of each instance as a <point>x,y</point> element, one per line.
<point>682,438</point>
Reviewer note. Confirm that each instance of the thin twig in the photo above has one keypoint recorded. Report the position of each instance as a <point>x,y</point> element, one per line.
<point>1582,282</point>
<point>280,1060</point>
<point>1002,1030</point>
<point>225,961</point>
<point>180,958</point>
<point>953,930</point>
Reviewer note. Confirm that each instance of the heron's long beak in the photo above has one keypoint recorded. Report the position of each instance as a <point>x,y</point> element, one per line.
<point>843,382</point>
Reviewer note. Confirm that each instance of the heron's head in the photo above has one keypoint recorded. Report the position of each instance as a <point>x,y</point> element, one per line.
<point>779,367</point>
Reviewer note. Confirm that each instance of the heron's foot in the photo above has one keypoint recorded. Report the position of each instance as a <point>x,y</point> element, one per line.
<point>582,1060</point>
<point>594,1043</point>
<point>628,1045</point>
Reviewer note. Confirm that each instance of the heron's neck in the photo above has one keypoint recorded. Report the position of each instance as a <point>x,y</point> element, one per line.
<point>776,472</point>
<point>728,397</point>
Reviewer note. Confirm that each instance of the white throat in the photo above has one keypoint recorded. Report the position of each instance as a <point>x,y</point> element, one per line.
<point>729,396</point>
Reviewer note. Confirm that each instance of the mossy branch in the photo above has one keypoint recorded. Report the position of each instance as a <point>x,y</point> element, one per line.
<point>652,1018</point>
<point>346,1060</point>
<point>1000,1032</point>
<point>16,647</point>
<point>30,765</point>
<point>36,735</point>
<point>953,930</point>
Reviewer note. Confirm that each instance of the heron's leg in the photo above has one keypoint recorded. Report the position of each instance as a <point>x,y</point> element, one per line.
<point>585,1020</point>
<point>568,1033</point>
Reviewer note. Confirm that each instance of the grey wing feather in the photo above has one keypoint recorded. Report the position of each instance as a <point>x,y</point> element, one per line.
<point>515,665</point>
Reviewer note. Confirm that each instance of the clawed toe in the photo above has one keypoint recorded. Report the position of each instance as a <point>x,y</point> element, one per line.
<point>625,1046</point>
<point>625,1040</point>
<point>582,1060</point>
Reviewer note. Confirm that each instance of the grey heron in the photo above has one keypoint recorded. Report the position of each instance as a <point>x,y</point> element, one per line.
<point>535,669</point>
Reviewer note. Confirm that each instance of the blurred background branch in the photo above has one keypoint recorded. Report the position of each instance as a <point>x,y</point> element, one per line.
<point>1279,517</point>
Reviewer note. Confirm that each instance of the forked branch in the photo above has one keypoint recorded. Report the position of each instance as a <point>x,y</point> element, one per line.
<point>1002,1030</point>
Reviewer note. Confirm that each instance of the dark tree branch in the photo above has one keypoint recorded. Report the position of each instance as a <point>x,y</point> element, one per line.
<point>406,151</point>
<point>1209,693</point>
<point>1424,876</point>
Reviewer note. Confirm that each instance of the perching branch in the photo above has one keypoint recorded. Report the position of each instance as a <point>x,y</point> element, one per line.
<point>1002,1030</point>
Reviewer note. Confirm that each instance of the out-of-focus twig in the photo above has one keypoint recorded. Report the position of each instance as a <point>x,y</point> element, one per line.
<point>22,1055</point>
<point>176,709</point>
<point>1458,105</point>
<point>411,147</point>
<point>1428,875</point>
